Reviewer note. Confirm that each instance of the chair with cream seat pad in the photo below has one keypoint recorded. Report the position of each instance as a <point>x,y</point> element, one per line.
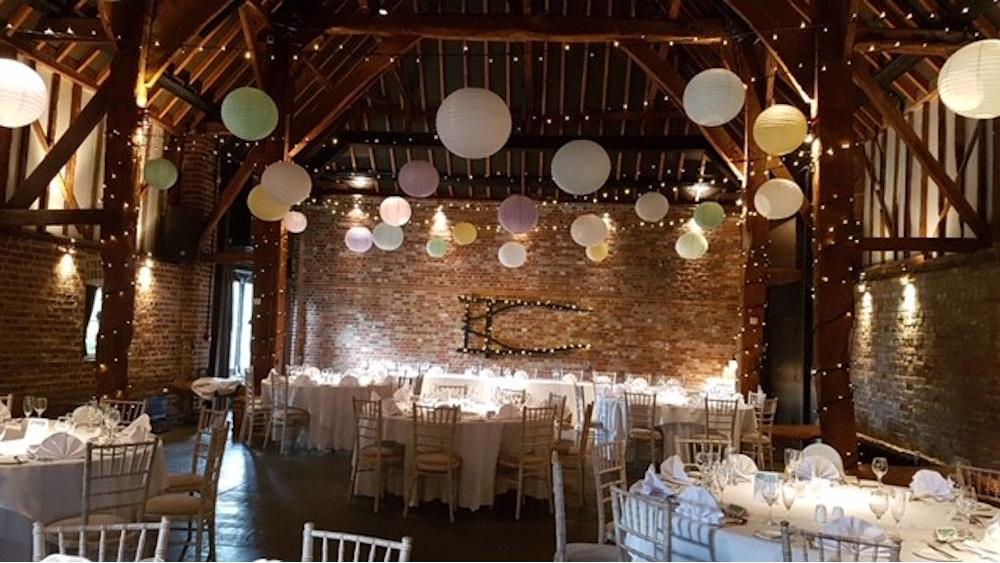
<point>190,482</point>
<point>117,542</point>
<point>573,551</point>
<point>608,467</point>
<point>532,461</point>
<point>371,451</point>
<point>434,453</point>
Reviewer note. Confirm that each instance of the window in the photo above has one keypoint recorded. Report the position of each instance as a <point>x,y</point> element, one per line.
<point>92,320</point>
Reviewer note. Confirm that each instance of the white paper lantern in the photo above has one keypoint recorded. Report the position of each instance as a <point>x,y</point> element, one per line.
<point>581,167</point>
<point>780,129</point>
<point>652,207</point>
<point>588,230</point>
<point>295,222</point>
<point>473,122</point>
<point>778,199</point>
<point>714,97</point>
<point>263,207</point>
<point>23,95</point>
<point>598,252</point>
<point>358,239</point>
<point>691,245</point>
<point>969,81</point>
<point>387,237</point>
<point>395,211</point>
<point>286,182</point>
<point>512,255</point>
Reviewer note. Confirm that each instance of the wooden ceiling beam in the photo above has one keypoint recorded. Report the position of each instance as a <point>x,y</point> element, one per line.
<point>247,17</point>
<point>174,24</point>
<point>919,244</point>
<point>45,217</point>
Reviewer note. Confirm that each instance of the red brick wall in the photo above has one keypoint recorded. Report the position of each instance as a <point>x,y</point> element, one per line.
<point>652,311</point>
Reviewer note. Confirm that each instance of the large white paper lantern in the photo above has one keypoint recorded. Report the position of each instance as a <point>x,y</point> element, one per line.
<point>249,113</point>
<point>263,207</point>
<point>691,245</point>
<point>358,239</point>
<point>709,215</point>
<point>513,254</point>
<point>23,95</point>
<point>286,182</point>
<point>159,173</point>
<point>588,230</point>
<point>387,237</point>
<point>652,207</point>
<point>395,211</point>
<point>714,97</point>
<point>581,167</point>
<point>473,122</point>
<point>295,222</point>
<point>598,252</point>
<point>969,81</point>
<point>437,247</point>
<point>778,198</point>
<point>780,129</point>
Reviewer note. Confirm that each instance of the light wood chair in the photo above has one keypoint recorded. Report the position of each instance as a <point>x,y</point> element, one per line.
<point>720,418</point>
<point>986,482</point>
<point>8,401</point>
<point>517,397</point>
<point>129,410</point>
<point>452,391</point>
<point>352,547</point>
<point>646,521</point>
<point>287,421</point>
<point>608,467</point>
<point>414,382</point>
<point>688,449</point>
<point>103,542</point>
<point>191,482</point>
<point>574,459</point>
<point>759,443</point>
<point>532,461</point>
<point>434,453</point>
<point>256,413</point>
<point>641,409</point>
<point>580,396</point>
<point>371,451</point>
<point>800,545</point>
<point>573,551</point>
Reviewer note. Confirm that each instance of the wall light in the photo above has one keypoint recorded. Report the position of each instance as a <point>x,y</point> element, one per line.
<point>145,277</point>
<point>67,265</point>
<point>439,226</point>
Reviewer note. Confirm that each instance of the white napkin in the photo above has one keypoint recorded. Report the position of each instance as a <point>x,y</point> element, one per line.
<point>138,431</point>
<point>64,558</point>
<point>673,468</point>
<point>402,394</point>
<point>349,381</point>
<point>435,371</point>
<point>569,378</point>
<point>928,483</point>
<point>602,379</point>
<point>391,408</point>
<point>640,383</point>
<point>816,466</point>
<point>743,467</point>
<point>854,528</point>
<point>509,412</point>
<point>991,537</point>
<point>653,486</point>
<point>696,503</point>
<point>88,415</point>
<point>304,380</point>
<point>4,413</point>
<point>58,446</point>
<point>313,372</point>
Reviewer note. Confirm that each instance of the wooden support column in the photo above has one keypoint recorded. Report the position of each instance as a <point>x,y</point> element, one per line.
<point>835,245</point>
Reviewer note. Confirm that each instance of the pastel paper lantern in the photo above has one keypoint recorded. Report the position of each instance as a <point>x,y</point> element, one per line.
<point>159,173</point>
<point>588,230</point>
<point>358,239</point>
<point>395,211</point>
<point>295,222</point>
<point>23,95</point>
<point>709,215</point>
<point>512,254</point>
<point>387,237</point>
<point>969,81</point>
<point>714,97</point>
<point>286,182</point>
<point>518,214</point>
<point>780,129</point>
<point>652,207</point>
<point>263,207</point>
<point>581,167</point>
<point>249,113</point>
<point>691,245</point>
<point>437,247</point>
<point>418,178</point>
<point>473,122</point>
<point>778,199</point>
<point>464,234</point>
<point>598,252</point>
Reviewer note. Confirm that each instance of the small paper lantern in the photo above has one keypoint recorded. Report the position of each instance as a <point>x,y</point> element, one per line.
<point>387,237</point>
<point>780,129</point>
<point>160,173</point>
<point>263,207</point>
<point>581,167</point>
<point>473,122</point>
<point>395,211</point>
<point>691,245</point>
<point>969,81</point>
<point>23,95</point>
<point>295,222</point>
<point>518,214</point>
<point>249,113</point>
<point>512,254</point>
<point>464,233</point>
<point>714,97</point>
<point>652,207</point>
<point>778,199</point>
<point>598,252</point>
<point>358,239</point>
<point>588,230</point>
<point>709,215</point>
<point>437,247</point>
<point>286,182</point>
<point>418,178</point>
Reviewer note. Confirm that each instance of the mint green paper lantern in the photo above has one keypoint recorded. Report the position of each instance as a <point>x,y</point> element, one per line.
<point>437,247</point>
<point>709,215</point>
<point>249,113</point>
<point>160,173</point>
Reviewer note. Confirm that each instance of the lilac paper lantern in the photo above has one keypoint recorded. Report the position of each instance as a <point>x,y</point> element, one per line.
<point>418,178</point>
<point>358,239</point>
<point>518,214</point>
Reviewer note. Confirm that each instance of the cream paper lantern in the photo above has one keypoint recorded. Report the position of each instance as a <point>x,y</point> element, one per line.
<point>778,199</point>
<point>395,211</point>
<point>263,207</point>
<point>691,245</point>
<point>588,230</point>
<point>286,182</point>
<point>358,239</point>
<point>512,254</point>
<point>581,167</point>
<point>969,81</point>
<point>249,113</point>
<point>437,247</point>
<point>780,129</point>
<point>295,222</point>
<point>652,207</point>
<point>714,97</point>
<point>709,215</point>
<point>23,95</point>
<point>597,252</point>
<point>159,173</point>
<point>387,237</point>
<point>464,234</point>
<point>473,122</point>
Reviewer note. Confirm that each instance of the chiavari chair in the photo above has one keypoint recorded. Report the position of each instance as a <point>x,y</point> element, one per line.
<point>532,461</point>
<point>434,453</point>
<point>608,467</point>
<point>371,451</point>
<point>352,547</point>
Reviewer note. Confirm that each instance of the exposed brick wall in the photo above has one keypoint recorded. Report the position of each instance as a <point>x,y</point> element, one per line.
<point>927,368</point>
<point>652,311</point>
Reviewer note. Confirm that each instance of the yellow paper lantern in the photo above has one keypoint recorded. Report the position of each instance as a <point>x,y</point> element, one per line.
<point>464,233</point>
<point>263,207</point>
<point>597,252</point>
<point>780,129</point>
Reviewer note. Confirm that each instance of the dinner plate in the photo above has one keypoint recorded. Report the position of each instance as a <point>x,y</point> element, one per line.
<point>768,534</point>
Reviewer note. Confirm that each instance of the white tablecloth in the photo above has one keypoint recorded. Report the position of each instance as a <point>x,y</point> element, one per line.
<point>331,411</point>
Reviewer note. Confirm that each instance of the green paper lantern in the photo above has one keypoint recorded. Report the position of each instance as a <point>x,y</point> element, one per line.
<point>709,215</point>
<point>249,113</point>
<point>160,173</point>
<point>437,247</point>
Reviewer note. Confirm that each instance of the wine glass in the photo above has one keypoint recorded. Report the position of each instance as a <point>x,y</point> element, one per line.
<point>878,502</point>
<point>41,403</point>
<point>788,491</point>
<point>965,502</point>
<point>897,504</point>
<point>27,405</point>
<point>793,458</point>
<point>702,460</point>
<point>112,417</point>
<point>769,490</point>
<point>880,466</point>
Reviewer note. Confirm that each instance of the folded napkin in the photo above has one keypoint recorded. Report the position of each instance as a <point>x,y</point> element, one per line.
<point>304,380</point>
<point>858,529</point>
<point>58,446</point>
<point>391,407</point>
<point>403,394</point>
<point>815,466</point>
<point>509,412</point>
<point>928,483</point>
<point>743,467</point>
<point>138,431</point>
<point>348,381</point>
<point>4,413</point>
<point>673,468</point>
<point>991,537</point>
<point>64,558</point>
<point>640,383</point>
<point>602,379</point>
<point>312,371</point>
<point>653,486</point>
<point>87,415</point>
<point>696,503</point>
<point>569,378</point>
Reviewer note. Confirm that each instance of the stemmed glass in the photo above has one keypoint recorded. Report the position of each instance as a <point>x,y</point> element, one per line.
<point>897,504</point>
<point>788,490</point>
<point>793,458</point>
<point>112,417</point>
<point>702,460</point>
<point>880,466</point>
<point>27,405</point>
<point>878,503</point>
<point>769,490</point>
<point>41,403</point>
<point>965,502</point>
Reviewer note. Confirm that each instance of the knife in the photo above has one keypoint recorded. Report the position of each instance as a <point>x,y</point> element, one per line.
<point>942,552</point>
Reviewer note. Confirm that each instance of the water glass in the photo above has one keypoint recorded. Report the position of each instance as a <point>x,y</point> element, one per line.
<point>788,491</point>
<point>41,403</point>
<point>793,458</point>
<point>965,502</point>
<point>27,405</point>
<point>878,503</point>
<point>880,466</point>
<point>769,490</point>
<point>897,504</point>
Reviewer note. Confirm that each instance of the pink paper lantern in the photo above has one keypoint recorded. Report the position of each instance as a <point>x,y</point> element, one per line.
<point>418,178</point>
<point>518,214</point>
<point>358,239</point>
